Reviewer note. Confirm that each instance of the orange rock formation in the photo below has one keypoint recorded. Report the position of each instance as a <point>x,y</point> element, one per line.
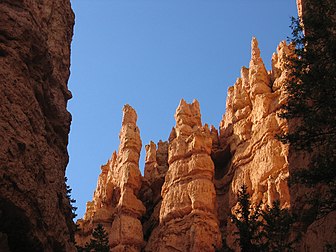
<point>188,220</point>
<point>115,203</point>
<point>248,131</point>
<point>190,184</point>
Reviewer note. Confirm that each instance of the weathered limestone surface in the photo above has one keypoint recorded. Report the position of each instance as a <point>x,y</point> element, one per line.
<point>115,204</point>
<point>188,219</point>
<point>99,210</point>
<point>126,228</point>
<point>247,136</point>
<point>35,37</point>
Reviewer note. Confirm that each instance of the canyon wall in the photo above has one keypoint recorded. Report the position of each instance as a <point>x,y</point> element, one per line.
<point>35,37</point>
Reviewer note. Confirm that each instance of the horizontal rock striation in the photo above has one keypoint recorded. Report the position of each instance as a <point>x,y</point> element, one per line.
<point>188,219</point>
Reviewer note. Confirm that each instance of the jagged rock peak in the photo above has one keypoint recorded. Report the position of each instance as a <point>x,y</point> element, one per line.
<point>255,51</point>
<point>150,152</point>
<point>156,161</point>
<point>258,76</point>
<point>247,132</point>
<point>189,114</point>
<point>129,115</point>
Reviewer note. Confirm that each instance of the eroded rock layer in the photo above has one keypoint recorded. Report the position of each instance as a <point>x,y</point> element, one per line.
<point>115,202</point>
<point>188,220</point>
<point>247,134</point>
<point>190,184</point>
<point>35,37</point>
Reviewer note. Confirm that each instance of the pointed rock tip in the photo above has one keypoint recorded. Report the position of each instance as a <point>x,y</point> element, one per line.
<point>182,103</point>
<point>213,128</point>
<point>195,101</point>
<point>149,146</point>
<point>129,115</point>
<point>254,40</point>
<point>113,156</point>
<point>255,51</point>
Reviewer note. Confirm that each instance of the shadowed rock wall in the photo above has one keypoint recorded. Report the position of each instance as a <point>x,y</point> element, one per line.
<point>35,37</point>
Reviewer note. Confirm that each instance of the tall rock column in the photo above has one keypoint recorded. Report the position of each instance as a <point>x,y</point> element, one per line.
<point>126,232</point>
<point>248,130</point>
<point>115,202</point>
<point>35,37</point>
<point>188,212</point>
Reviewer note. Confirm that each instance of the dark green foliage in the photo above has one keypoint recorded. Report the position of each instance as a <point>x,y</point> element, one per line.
<point>99,241</point>
<point>277,225</point>
<point>311,106</point>
<point>70,211</point>
<point>71,200</point>
<point>248,223</point>
<point>262,230</point>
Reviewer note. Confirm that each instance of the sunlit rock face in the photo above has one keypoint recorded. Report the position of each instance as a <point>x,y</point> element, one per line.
<point>35,37</point>
<point>190,183</point>
<point>247,151</point>
<point>115,203</point>
<point>188,218</point>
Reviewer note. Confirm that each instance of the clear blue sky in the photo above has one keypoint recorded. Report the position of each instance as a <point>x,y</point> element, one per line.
<point>150,54</point>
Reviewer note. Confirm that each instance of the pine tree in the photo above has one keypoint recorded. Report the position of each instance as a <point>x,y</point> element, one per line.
<point>71,200</point>
<point>99,242</point>
<point>277,225</point>
<point>262,230</point>
<point>247,220</point>
<point>311,87</point>
<point>311,105</point>
<point>70,210</point>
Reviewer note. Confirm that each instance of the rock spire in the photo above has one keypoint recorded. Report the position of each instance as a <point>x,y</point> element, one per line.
<point>188,211</point>
<point>115,203</point>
